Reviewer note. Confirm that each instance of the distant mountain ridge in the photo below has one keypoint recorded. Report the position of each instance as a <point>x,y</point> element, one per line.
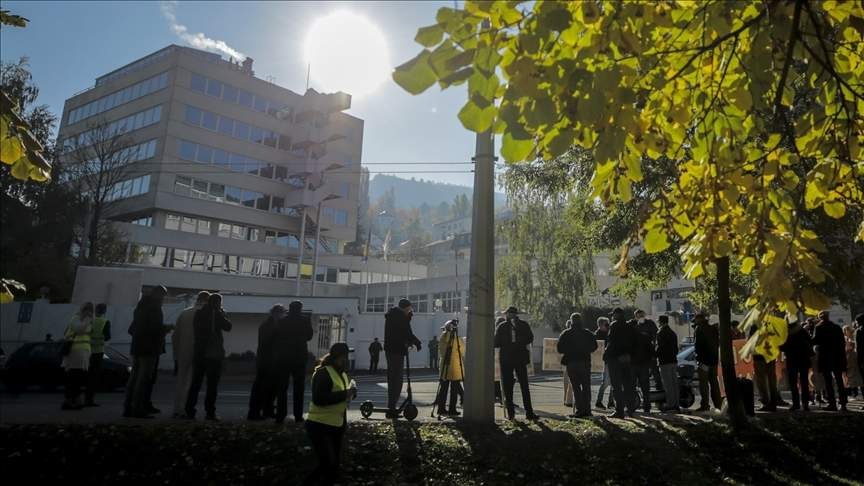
<point>413,193</point>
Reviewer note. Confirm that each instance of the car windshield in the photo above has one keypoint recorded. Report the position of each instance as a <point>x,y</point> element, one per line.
<point>686,354</point>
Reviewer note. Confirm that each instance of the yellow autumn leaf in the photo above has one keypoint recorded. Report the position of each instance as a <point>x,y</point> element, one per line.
<point>835,209</point>
<point>21,169</point>
<point>11,149</point>
<point>747,265</point>
<point>656,240</point>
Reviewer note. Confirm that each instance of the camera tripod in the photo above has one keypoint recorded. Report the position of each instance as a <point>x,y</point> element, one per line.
<point>443,382</point>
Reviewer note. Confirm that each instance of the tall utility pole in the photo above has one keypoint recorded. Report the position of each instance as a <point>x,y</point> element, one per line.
<point>479,368</point>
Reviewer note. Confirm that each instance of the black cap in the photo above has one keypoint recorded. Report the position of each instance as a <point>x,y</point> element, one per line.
<point>617,310</point>
<point>511,310</point>
<point>404,303</point>
<point>295,306</point>
<point>338,349</point>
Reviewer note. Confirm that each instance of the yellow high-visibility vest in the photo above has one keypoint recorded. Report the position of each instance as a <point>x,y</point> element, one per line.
<point>97,335</point>
<point>333,415</point>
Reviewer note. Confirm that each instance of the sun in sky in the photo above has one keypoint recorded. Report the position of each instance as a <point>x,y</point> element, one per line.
<point>346,52</point>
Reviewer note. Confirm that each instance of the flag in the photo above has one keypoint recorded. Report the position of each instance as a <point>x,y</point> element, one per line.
<point>386,246</point>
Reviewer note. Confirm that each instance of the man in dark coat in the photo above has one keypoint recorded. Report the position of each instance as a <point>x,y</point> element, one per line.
<point>288,361</point>
<point>667,355</point>
<point>830,346</point>
<point>374,354</point>
<point>576,344</point>
<point>644,359</point>
<point>708,357</point>
<point>620,348</point>
<point>398,337</point>
<point>210,322</point>
<point>512,338</point>
<point>264,387</point>
<point>798,350</point>
<point>148,332</point>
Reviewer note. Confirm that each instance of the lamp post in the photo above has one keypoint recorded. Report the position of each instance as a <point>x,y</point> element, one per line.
<point>318,241</point>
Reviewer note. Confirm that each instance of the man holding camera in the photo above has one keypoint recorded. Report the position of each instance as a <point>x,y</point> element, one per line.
<point>397,338</point>
<point>512,337</point>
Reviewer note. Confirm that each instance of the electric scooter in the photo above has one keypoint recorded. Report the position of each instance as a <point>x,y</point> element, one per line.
<point>407,409</point>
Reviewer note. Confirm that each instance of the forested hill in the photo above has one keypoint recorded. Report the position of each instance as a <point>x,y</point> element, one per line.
<point>412,193</point>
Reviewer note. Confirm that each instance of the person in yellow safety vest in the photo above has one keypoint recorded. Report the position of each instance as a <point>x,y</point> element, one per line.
<point>327,421</point>
<point>100,332</point>
<point>76,355</point>
<point>452,371</point>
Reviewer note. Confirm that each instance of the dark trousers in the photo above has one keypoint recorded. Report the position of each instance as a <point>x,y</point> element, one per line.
<point>765,374</point>
<point>642,377</point>
<point>327,444</point>
<point>140,384</point>
<point>373,363</point>
<point>283,379</point>
<point>507,382</point>
<point>148,388</point>
<point>433,359</point>
<point>213,369</point>
<point>395,366</point>
<point>621,376</point>
<point>262,395</point>
<point>455,389</point>
<point>579,373</point>
<point>94,376</point>
<point>799,385</point>
<point>708,383</point>
<point>829,387</point>
<point>75,379</point>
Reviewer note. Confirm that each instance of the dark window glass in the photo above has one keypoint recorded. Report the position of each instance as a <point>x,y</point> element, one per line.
<point>226,126</point>
<point>269,139</point>
<point>238,163</point>
<point>257,135</point>
<point>233,195</point>
<point>229,93</point>
<point>266,171</point>
<point>252,166</point>
<point>278,205</point>
<point>284,142</point>
<point>205,154</point>
<point>216,193</point>
<point>260,104</point>
<point>193,115</point>
<point>198,82</point>
<point>208,120</point>
<point>262,202</point>
<point>214,88</point>
<point>249,197</point>
<point>241,130</point>
<point>220,157</point>
<point>187,150</point>
<point>281,173</point>
<point>244,98</point>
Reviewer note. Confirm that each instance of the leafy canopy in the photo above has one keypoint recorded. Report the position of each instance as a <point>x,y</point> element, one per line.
<point>712,88</point>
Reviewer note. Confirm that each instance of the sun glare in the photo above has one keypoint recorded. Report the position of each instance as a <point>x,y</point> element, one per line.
<point>347,52</point>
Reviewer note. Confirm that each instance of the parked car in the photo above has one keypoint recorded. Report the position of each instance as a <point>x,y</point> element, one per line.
<point>38,364</point>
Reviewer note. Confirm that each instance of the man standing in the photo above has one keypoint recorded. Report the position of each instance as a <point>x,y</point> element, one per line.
<point>644,360</point>
<point>765,374</point>
<point>667,355</point>
<point>513,337</point>
<point>798,350</point>
<point>183,348</point>
<point>289,359</point>
<point>620,348</point>
<point>100,332</point>
<point>374,355</point>
<point>209,323</point>
<point>147,331</point>
<point>433,353</point>
<point>576,344</point>
<point>830,348</point>
<point>397,338</point>
<point>708,357</point>
<point>602,333</point>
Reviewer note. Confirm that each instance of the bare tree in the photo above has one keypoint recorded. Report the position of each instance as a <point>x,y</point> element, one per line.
<point>99,162</point>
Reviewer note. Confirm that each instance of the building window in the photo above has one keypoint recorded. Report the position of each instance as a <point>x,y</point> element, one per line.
<point>340,217</point>
<point>225,125</point>
<point>118,98</point>
<point>420,302</point>
<point>375,304</point>
<point>450,301</point>
<point>129,188</point>
<point>143,221</point>
<point>124,125</point>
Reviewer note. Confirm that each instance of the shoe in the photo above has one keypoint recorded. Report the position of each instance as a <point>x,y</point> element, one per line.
<point>153,410</point>
<point>441,412</point>
<point>212,417</point>
<point>532,416</point>
<point>91,404</point>
<point>573,416</point>
<point>599,405</point>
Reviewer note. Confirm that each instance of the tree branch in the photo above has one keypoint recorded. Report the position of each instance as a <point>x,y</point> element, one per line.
<point>787,63</point>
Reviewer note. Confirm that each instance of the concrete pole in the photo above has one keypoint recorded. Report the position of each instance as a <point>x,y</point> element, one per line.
<point>315,251</point>
<point>302,246</point>
<point>479,367</point>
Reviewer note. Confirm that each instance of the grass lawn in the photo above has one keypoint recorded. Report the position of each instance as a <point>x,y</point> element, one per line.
<point>780,449</point>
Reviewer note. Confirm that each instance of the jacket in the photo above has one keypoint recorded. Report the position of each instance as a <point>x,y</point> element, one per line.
<point>513,342</point>
<point>646,341</point>
<point>830,347</point>
<point>290,335</point>
<point>329,397</point>
<point>397,332</point>
<point>576,345</point>
<point>667,346</point>
<point>621,342</point>
<point>454,369</point>
<point>797,348</point>
<point>375,348</point>
<point>264,353</point>
<point>707,345</point>
<point>147,328</point>
<point>209,324</point>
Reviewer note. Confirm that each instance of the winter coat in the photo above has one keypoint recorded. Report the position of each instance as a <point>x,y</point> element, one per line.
<point>375,349</point>
<point>453,370</point>
<point>646,339</point>
<point>707,345</point>
<point>513,340</point>
<point>830,345</point>
<point>621,342</point>
<point>290,335</point>
<point>397,332</point>
<point>209,324</point>
<point>576,345</point>
<point>147,328</point>
<point>797,348</point>
<point>667,346</point>
<point>264,354</point>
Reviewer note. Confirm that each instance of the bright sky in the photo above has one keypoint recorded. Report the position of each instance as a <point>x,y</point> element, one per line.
<point>71,43</point>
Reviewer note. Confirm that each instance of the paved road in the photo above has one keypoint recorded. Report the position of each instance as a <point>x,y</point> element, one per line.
<point>42,407</point>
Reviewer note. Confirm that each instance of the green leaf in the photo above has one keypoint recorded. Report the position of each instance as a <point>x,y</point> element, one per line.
<point>441,58</point>
<point>835,209</point>
<point>487,59</point>
<point>457,78</point>
<point>483,86</point>
<point>516,149</point>
<point>475,118</point>
<point>430,35</point>
<point>656,240</point>
<point>416,75</point>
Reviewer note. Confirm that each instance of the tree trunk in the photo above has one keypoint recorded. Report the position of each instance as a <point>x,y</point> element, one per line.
<point>727,359</point>
<point>94,234</point>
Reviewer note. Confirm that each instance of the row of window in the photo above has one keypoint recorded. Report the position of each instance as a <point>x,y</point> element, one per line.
<point>117,98</point>
<point>235,128</point>
<point>235,162</point>
<point>232,94</point>
<point>128,155</point>
<point>124,125</point>
<point>339,217</point>
<point>137,66</point>
<point>129,188</point>
<point>450,301</point>
<point>211,191</point>
<point>420,303</point>
<point>143,221</point>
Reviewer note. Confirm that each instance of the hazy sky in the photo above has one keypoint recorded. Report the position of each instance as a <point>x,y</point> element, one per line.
<point>71,43</point>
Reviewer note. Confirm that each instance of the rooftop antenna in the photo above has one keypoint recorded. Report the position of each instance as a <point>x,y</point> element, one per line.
<point>308,72</point>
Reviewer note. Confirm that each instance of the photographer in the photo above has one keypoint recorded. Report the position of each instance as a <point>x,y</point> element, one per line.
<point>452,372</point>
<point>209,323</point>
<point>397,338</point>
